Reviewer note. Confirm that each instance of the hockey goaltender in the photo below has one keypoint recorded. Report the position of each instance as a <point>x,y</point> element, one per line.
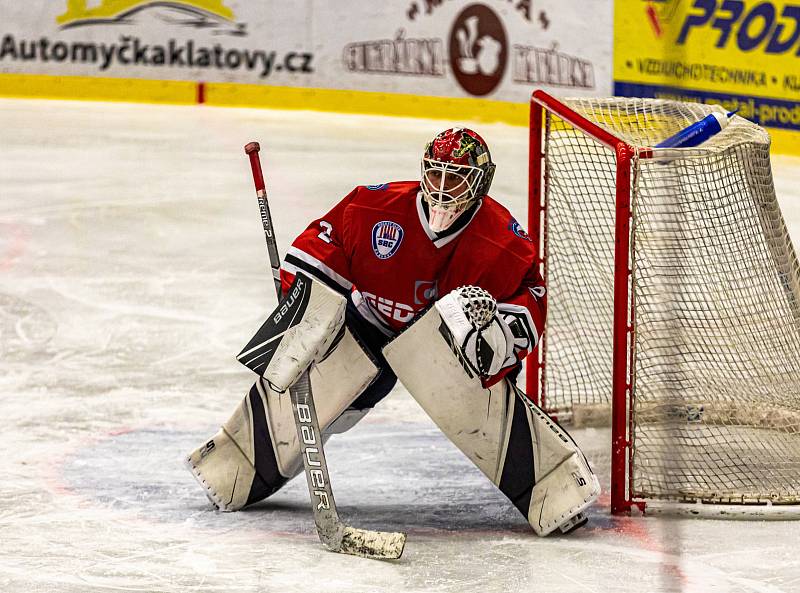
<point>432,282</point>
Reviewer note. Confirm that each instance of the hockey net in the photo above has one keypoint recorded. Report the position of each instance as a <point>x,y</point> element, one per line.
<point>706,289</point>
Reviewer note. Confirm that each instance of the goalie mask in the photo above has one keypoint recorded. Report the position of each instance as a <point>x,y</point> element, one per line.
<point>457,171</point>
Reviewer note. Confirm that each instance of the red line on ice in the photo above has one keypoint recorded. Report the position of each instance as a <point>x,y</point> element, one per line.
<point>17,245</point>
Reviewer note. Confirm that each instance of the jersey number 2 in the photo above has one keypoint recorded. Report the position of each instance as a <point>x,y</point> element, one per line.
<point>327,227</point>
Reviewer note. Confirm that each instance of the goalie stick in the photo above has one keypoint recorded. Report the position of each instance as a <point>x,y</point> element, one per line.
<point>334,534</point>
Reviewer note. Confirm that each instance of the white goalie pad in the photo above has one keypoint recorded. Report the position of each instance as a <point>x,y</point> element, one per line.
<point>336,382</point>
<point>516,445</point>
<point>261,434</point>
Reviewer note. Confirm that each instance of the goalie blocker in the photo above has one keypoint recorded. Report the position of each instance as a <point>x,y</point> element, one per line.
<point>441,359</point>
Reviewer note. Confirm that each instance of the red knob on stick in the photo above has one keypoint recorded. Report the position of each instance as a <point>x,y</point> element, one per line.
<point>251,149</point>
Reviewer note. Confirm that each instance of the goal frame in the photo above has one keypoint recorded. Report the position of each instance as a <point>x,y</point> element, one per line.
<point>630,177</point>
<point>623,318</point>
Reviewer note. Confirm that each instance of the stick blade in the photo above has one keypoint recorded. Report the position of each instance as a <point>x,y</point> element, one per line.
<point>382,545</point>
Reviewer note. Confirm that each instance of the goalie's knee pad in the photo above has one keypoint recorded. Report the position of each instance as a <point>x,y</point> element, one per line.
<point>516,445</point>
<point>257,450</point>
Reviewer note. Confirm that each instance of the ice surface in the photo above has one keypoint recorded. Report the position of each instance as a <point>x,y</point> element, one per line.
<point>133,268</point>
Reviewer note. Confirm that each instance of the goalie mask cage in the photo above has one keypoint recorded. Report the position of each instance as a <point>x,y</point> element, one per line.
<point>673,302</point>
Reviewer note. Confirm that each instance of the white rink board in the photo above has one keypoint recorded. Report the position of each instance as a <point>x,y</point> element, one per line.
<point>498,49</point>
<point>133,269</point>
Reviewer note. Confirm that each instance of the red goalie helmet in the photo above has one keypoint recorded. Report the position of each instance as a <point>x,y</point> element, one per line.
<point>457,170</point>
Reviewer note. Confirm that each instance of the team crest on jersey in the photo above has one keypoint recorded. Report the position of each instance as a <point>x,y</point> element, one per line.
<point>515,228</point>
<point>378,187</point>
<point>386,238</point>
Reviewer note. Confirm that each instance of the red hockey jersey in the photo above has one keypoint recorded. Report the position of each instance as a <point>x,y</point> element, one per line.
<point>376,245</point>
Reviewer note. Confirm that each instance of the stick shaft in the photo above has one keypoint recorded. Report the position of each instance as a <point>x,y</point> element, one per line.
<point>332,532</point>
<point>252,149</point>
<point>326,518</point>
<point>308,431</point>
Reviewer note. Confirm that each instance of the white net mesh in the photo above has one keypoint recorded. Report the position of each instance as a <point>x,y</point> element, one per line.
<point>716,405</point>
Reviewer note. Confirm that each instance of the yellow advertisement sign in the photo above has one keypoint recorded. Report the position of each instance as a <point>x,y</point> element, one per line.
<point>743,54</point>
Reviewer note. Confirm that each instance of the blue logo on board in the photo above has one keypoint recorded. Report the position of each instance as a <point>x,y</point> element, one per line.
<point>386,238</point>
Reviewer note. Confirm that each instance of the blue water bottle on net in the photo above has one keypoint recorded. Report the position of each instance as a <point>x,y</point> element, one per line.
<point>698,132</point>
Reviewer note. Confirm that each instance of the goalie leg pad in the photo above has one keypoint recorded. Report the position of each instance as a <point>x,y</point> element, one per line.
<point>237,465</point>
<point>516,445</point>
<point>560,497</point>
<point>565,485</point>
<point>257,449</point>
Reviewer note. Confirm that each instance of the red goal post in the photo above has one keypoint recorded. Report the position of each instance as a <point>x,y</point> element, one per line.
<point>620,499</point>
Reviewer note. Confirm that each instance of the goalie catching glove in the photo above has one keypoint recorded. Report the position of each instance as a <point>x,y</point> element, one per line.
<point>482,341</point>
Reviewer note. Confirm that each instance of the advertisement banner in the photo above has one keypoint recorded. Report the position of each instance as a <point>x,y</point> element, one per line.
<point>492,49</point>
<point>742,54</point>
<point>173,40</point>
<point>496,49</point>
